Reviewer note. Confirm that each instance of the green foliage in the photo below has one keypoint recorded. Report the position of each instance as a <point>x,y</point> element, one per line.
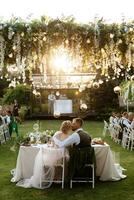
<point>57,31</point>
<point>22,112</point>
<point>127,90</point>
<point>18,93</point>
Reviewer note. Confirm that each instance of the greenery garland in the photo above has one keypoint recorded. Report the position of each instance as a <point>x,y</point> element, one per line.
<point>127,90</point>
<point>95,43</point>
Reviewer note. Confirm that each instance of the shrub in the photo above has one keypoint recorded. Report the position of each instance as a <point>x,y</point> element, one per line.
<point>19,93</point>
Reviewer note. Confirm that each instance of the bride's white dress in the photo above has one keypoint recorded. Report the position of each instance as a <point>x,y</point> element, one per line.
<point>44,167</point>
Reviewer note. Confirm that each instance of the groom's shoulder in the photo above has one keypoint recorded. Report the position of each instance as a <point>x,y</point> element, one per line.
<point>83,131</point>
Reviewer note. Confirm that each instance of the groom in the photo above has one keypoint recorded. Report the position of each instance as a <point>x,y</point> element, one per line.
<point>81,152</point>
<point>79,138</point>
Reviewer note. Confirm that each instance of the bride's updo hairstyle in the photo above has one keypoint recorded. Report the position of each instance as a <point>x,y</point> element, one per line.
<point>66,126</point>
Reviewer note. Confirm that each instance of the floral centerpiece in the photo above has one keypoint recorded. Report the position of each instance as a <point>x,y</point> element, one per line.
<point>41,137</point>
<point>46,136</point>
<point>97,141</point>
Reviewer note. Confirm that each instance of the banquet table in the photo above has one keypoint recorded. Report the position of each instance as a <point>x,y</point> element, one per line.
<point>106,168</point>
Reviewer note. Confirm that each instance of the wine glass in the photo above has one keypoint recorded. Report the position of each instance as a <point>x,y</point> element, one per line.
<point>36,127</point>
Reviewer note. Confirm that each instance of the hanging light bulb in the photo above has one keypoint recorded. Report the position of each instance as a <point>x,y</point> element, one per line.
<point>14,47</point>
<point>111,35</point>
<point>10,55</point>
<point>37,94</point>
<point>44,38</point>
<point>56,114</point>
<point>132,78</point>
<point>57,93</point>
<point>95,85</point>
<point>88,41</point>
<point>34,92</point>
<point>117,89</point>
<point>83,107</point>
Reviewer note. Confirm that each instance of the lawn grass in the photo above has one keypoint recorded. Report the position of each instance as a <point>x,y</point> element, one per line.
<point>121,190</point>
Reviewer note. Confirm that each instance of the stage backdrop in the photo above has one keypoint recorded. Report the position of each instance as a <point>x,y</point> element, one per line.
<point>63,106</point>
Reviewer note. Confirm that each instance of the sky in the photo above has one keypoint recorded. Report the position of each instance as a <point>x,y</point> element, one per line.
<point>83,10</point>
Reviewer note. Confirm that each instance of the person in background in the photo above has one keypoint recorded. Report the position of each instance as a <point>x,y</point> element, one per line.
<point>11,123</point>
<point>124,122</point>
<point>15,111</point>
<point>132,124</point>
<point>117,118</point>
<point>130,119</point>
<point>3,116</point>
<point>51,99</point>
<point>112,118</point>
<point>16,108</point>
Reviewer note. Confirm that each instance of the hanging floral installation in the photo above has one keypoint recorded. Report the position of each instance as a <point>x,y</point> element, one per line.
<point>127,90</point>
<point>28,47</point>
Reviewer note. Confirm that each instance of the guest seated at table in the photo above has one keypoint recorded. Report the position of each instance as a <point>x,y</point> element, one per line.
<point>117,118</point>
<point>65,130</point>
<point>112,117</point>
<point>132,124</point>
<point>81,152</point>
<point>79,137</point>
<point>125,122</point>
<point>130,118</point>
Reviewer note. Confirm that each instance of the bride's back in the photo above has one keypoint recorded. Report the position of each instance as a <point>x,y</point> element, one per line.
<point>65,130</point>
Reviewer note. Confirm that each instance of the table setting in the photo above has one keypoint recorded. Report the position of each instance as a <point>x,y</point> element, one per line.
<point>39,147</point>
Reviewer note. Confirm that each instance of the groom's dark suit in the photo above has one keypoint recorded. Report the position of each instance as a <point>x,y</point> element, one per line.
<point>85,139</point>
<point>80,155</point>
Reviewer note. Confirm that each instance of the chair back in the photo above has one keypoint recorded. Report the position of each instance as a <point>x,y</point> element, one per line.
<point>52,159</point>
<point>2,135</point>
<point>82,165</point>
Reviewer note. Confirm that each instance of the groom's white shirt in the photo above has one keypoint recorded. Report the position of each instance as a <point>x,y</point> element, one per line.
<point>72,139</point>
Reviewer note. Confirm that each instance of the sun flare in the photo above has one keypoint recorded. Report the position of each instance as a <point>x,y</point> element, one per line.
<point>61,61</point>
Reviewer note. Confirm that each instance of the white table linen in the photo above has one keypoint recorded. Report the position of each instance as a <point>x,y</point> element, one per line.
<point>106,169</point>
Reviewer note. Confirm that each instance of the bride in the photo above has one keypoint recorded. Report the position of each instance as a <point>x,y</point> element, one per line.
<point>44,166</point>
<point>65,130</point>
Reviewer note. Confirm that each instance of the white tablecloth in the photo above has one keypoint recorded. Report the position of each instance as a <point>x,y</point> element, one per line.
<point>63,106</point>
<point>106,169</point>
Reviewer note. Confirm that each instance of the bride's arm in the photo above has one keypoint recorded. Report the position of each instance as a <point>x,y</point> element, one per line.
<point>72,139</point>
